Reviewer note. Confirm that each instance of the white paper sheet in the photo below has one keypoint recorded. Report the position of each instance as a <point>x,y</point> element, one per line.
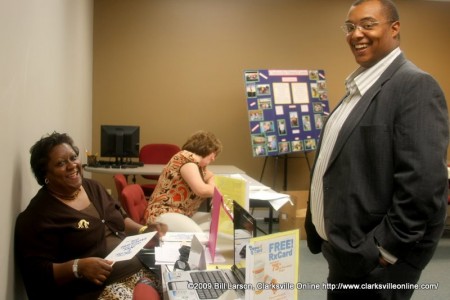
<point>168,253</point>
<point>173,236</point>
<point>265,195</point>
<point>130,246</point>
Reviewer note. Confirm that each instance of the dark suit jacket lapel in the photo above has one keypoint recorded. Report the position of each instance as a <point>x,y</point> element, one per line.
<point>323,128</point>
<point>359,110</point>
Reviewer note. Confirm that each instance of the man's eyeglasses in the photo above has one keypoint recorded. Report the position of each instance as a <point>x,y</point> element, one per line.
<point>349,28</point>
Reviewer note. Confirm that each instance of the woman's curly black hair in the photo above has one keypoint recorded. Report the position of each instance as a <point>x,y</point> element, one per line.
<point>40,153</point>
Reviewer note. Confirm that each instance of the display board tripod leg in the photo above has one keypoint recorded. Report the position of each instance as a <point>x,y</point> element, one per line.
<point>275,172</point>
<point>263,169</point>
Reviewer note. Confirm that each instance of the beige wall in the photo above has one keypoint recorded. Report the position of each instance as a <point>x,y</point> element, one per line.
<point>45,85</point>
<point>164,64</point>
<point>174,67</point>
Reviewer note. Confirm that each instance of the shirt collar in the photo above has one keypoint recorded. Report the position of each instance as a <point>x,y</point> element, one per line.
<point>364,78</point>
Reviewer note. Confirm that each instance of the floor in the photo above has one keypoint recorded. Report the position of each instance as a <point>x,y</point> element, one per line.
<point>313,270</point>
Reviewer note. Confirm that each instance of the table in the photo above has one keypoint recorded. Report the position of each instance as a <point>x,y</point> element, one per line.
<point>153,169</point>
<point>157,170</point>
<point>255,185</point>
<point>225,250</point>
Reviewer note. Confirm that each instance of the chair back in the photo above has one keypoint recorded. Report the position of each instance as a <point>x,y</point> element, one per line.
<point>121,182</point>
<point>158,154</point>
<point>134,202</point>
<point>145,290</point>
<point>179,223</point>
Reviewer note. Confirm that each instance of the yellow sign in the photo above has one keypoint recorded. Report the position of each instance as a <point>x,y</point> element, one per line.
<point>231,189</point>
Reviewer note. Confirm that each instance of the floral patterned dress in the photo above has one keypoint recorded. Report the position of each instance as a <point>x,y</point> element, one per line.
<point>172,193</point>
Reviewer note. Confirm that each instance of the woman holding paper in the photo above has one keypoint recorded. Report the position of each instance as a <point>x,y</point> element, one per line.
<point>68,228</point>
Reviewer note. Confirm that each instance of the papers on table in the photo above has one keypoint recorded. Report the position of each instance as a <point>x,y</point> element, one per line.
<point>277,200</point>
<point>258,191</point>
<point>253,185</point>
<point>185,237</point>
<point>258,188</point>
<point>130,246</point>
<point>267,195</point>
<point>171,242</point>
<point>168,253</point>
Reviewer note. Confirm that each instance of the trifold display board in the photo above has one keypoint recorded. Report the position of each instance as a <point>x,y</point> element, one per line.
<point>286,110</point>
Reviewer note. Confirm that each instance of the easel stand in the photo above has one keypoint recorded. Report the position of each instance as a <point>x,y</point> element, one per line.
<point>275,170</point>
<point>285,168</point>
<point>274,180</point>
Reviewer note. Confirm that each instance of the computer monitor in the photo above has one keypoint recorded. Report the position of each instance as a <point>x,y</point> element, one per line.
<point>244,227</point>
<point>119,141</point>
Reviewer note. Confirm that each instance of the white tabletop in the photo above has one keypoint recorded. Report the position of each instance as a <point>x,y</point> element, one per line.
<point>157,169</point>
<point>227,170</point>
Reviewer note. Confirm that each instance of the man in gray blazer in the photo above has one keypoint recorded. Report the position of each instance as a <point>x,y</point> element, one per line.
<point>379,184</point>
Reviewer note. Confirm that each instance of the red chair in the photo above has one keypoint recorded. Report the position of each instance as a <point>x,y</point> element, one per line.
<point>448,170</point>
<point>121,182</point>
<point>135,202</point>
<point>157,154</point>
<point>145,290</point>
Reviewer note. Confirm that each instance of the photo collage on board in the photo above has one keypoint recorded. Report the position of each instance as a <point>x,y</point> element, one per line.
<point>286,110</point>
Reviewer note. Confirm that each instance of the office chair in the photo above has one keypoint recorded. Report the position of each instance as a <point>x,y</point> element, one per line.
<point>135,202</point>
<point>121,182</point>
<point>145,290</point>
<point>158,154</point>
<point>177,222</point>
<point>447,221</point>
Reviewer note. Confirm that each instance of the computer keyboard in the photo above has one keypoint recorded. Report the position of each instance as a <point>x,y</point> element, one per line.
<point>128,166</point>
<point>111,164</point>
<point>208,277</point>
<point>135,163</point>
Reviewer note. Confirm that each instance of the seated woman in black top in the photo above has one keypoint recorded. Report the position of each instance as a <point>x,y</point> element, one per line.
<point>68,228</point>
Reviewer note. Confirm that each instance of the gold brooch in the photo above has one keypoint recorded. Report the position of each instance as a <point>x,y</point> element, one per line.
<point>83,224</point>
